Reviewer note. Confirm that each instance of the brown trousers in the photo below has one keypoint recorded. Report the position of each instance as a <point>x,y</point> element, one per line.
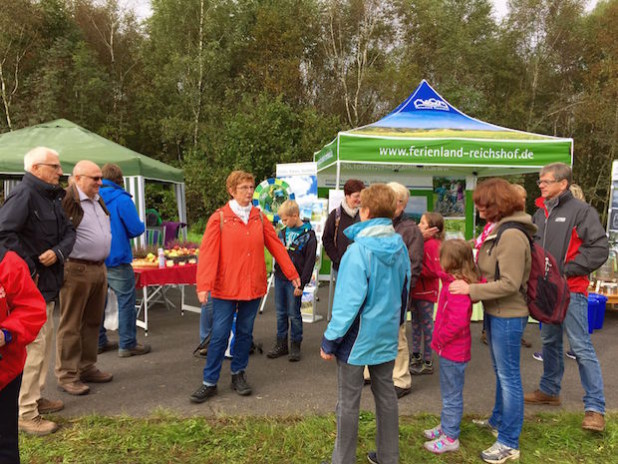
<point>82,301</point>
<point>401,370</point>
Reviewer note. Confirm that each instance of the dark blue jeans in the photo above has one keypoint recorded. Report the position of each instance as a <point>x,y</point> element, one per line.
<point>223,316</point>
<point>452,375</point>
<point>206,319</point>
<point>288,307</point>
<point>504,338</point>
<point>9,442</point>
<point>121,280</point>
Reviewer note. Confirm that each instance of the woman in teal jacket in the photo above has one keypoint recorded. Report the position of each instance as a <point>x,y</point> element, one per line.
<point>369,306</point>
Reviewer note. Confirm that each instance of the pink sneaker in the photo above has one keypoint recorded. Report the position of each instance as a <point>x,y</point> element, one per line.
<point>434,433</point>
<point>441,445</point>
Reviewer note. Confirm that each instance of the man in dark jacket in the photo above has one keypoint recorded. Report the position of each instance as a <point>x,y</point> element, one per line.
<point>33,224</point>
<point>571,231</point>
<point>125,224</point>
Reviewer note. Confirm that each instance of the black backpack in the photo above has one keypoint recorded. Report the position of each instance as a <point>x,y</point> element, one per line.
<point>547,292</point>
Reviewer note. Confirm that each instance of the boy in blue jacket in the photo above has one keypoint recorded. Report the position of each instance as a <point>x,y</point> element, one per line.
<point>300,241</point>
<point>369,306</point>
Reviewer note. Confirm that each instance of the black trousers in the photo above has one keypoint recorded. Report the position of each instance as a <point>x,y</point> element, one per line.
<point>9,409</point>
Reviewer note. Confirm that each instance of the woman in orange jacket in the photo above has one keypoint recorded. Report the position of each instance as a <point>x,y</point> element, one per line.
<point>231,268</point>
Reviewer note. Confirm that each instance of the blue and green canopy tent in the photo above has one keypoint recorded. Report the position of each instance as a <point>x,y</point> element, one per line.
<point>425,136</point>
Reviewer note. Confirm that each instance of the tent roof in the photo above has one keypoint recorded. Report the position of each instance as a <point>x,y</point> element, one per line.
<point>74,143</point>
<point>426,131</point>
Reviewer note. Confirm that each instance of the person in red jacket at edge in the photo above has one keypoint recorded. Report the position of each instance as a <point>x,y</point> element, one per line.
<point>231,268</point>
<point>22,314</point>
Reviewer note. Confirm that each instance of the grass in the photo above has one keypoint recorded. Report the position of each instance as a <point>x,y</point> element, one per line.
<point>167,438</point>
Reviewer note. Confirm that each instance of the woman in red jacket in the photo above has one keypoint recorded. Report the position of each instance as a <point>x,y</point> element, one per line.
<point>232,269</point>
<point>22,314</point>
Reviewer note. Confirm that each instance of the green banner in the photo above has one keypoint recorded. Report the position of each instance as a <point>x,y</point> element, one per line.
<point>521,153</point>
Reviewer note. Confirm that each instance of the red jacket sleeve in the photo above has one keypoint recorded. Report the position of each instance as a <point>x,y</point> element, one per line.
<point>27,308</point>
<point>276,248</point>
<point>208,261</point>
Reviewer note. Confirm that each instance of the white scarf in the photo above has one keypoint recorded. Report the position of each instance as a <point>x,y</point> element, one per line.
<point>350,211</point>
<point>242,212</point>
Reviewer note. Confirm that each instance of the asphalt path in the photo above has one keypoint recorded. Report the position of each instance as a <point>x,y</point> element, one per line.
<point>164,378</point>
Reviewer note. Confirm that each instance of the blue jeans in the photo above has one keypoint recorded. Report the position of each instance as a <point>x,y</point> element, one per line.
<point>223,316</point>
<point>504,338</point>
<point>451,389</point>
<point>576,326</point>
<point>288,306</point>
<point>121,280</point>
<point>206,319</point>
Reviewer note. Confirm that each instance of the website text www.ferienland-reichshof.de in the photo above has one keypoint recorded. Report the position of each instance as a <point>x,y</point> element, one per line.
<point>472,153</point>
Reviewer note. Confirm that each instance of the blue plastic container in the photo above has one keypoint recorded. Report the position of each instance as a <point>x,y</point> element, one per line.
<point>596,311</point>
<point>599,317</point>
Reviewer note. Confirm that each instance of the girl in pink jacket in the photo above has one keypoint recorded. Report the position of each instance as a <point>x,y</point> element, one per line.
<point>451,341</point>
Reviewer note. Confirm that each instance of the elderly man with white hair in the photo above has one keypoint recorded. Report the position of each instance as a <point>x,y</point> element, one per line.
<point>33,224</point>
<point>82,298</point>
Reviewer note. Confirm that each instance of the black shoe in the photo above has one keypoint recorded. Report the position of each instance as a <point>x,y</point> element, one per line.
<point>109,346</point>
<point>294,352</point>
<point>372,457</point>
<point>239,383</point>
<point>367,381</point>
<point>203,393</point>
<point>280,349</point>
<point>401,392</point>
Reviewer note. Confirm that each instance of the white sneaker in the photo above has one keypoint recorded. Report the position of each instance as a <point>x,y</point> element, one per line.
<point>499,453</point>
<point>434,433</point>
<point>484,424</point>
<point>441,445</point>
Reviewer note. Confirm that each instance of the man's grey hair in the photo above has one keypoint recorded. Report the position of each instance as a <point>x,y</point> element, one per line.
<point>400,190</point>
<point>560,171</point>
<point>36,156</point>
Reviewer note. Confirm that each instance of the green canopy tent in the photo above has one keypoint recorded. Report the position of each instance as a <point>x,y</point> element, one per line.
<point>74,143</point>
<point>424,137</point>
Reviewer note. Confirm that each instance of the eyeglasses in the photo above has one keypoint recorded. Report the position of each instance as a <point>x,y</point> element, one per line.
<point>546,182</point>
<point>51,165</point>
<point>246,188</point>
<point>94,178</point>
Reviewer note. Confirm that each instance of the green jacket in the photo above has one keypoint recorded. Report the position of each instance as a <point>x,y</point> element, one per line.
<point>505,297</point>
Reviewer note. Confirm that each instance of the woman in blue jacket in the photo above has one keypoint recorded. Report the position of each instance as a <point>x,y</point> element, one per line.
<point>369,306</point>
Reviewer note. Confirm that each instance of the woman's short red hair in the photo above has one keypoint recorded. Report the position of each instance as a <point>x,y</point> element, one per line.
<point>498,197</point>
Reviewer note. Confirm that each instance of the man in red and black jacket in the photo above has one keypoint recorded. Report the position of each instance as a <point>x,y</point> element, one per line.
<point>22,314</point>
<point>571,231</point>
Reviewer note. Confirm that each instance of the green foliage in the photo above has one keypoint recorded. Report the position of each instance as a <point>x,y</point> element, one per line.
<point>164,437</point>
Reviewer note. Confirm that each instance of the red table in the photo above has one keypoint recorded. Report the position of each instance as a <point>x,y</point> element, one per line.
<point>157,279</point>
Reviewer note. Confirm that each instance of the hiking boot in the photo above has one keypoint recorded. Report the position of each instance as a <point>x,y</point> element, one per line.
<point>46,406</point>
<point>96,376</point>
<point>203,393</point>
<point>372,457</point>
<point>294,355</point>
<point>538,355</point>
<point>401,392</point>
<point>109,346</point>
<point>201,353</point>
<point>75,388</point>
<point>425,368</point>
<point>280,349</point>
<point>37,426</point>
<point>441,445</point>
<point>499,453</point>
<point>137,350</point>
<point>484,424</point>
<point>594,421</point>
<point>538,397</point>
<point>415,360</point>
<point>570,354</point>
<point>239,383</point>
<point>432,434</point>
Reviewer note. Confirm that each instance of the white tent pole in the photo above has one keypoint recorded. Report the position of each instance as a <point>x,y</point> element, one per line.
<point>135,185</point>
<point>182,208</point>
<point>471,185</point>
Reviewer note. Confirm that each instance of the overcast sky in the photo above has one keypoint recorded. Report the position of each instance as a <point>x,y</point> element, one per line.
<point>142,7</point>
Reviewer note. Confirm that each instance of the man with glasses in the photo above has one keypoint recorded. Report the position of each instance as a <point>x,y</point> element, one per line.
<point>571,231</point>
<point>82,297</point>
<point>33,224</point>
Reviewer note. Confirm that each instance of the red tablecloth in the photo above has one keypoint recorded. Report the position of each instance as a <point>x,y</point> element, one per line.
<point>179,275</point>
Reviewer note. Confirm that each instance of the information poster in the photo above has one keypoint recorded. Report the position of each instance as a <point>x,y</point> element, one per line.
<point>449,194</point>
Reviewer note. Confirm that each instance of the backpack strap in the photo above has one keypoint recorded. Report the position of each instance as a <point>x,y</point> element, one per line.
<point>508,225</point>
<point>337,221</point>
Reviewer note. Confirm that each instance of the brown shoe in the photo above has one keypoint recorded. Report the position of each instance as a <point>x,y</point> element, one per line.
<point>137,350</point>
<point>109,346</point>
<point>538,397</point>
<point>96,376</point>
<point>594,421</point>
<point>37,426</point>
<point>75,388</point>
<point>46,406</point>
